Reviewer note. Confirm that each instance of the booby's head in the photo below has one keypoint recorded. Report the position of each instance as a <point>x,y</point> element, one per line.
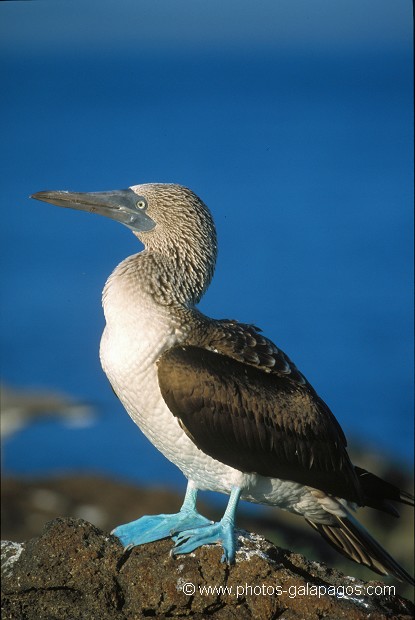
<point>170,220</point>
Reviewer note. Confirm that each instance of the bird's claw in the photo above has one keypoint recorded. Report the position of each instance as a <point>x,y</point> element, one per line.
<point>221,532</point>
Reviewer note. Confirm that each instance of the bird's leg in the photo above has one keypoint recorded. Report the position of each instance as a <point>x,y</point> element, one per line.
<point>155,527</point>
<point>222,532</point>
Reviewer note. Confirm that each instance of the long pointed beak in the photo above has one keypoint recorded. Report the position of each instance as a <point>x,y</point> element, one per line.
<point>119,205</point>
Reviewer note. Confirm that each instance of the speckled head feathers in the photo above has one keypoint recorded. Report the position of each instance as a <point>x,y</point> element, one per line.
<point>184,233</point>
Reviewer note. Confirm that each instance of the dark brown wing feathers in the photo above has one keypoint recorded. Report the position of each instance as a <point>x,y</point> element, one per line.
<point>254,416</point>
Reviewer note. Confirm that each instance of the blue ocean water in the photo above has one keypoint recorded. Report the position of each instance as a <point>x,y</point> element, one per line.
<point>305,159</point>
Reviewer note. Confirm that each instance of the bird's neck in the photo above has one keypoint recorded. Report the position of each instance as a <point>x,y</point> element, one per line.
<point>160,279</point>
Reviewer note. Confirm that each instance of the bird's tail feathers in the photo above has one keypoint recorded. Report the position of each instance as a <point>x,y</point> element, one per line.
<point>378,493</point>
<point>351,539</point>
<point>406,498</point>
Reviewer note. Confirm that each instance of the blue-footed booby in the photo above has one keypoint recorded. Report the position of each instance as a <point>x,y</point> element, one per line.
<point>217,397</point>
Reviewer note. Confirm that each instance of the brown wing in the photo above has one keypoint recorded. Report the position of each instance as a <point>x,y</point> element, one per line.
<point>244,343</point>
<point>271,423</point>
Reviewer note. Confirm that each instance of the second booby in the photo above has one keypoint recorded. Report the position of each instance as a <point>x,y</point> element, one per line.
<point>216,397</point>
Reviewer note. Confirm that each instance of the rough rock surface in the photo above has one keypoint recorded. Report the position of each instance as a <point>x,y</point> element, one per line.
<point>74,571</point>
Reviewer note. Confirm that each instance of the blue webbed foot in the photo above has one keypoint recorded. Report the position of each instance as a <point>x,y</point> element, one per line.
<point>155,527</point>
<point>222,532</point>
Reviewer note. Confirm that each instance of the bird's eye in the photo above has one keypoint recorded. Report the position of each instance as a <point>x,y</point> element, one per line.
<point>141,204</point>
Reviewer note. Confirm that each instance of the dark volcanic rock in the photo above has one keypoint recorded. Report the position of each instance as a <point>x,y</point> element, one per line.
<point>73,571</point>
